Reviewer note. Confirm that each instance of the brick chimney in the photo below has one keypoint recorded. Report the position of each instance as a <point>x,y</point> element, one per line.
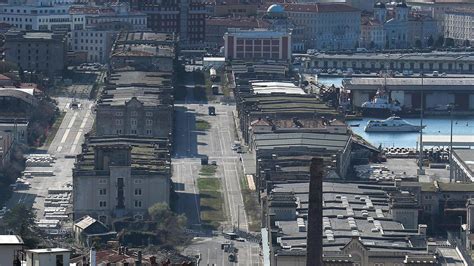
<point>314,246</point>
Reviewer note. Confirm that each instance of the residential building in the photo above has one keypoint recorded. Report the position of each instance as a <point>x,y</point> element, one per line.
<point>458,25</point>
<point>40,52</point>
<point>184,17</point>
<point>216,28</point>
<point>41,17</point>
<point>10,246</point>
<point>257,44</point>
<point>121,176</point>
<point>114,16</point>
<point>422,28</point>
<point>438,8</point>
<point>327,26</point>
<point>48,256</point>
<point>372,33</point>
<point>95,43</point>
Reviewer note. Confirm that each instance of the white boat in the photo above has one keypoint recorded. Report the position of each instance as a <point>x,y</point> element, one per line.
<point>391,124</point>
<point>380,105</point>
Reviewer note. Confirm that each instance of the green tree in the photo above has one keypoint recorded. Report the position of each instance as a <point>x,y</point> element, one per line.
<point>21,221</point>
<point>418,43</point>
<point>430,41</point>
<point>170,227</point>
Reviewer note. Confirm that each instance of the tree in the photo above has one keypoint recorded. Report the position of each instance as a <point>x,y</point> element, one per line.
<point>439,42</point>
<point>418,43</point>
<point>430,41</point>
<point>21,221</point>
<point>449,42</point>
<point>467,43</point>
<point>170,227</point>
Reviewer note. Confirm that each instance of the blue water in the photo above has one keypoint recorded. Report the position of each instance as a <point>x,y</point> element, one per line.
<point>328,81</point>
<point>434,126</point>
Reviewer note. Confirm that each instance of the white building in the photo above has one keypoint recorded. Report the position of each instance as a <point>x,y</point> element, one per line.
<point>459,25</point>
<point>48,256</point>
<point>10,245</point>
<point>327,26</point>
<point>95,43</point>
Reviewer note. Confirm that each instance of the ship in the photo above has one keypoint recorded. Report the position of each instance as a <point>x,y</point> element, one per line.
<point>391,124</point>
<point>380,105</point>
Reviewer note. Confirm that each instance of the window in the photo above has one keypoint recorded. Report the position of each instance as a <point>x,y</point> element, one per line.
<point>138,192</point>
<point>102,204</point>
<point>149,114</point>
<point>118,113</point>
<point>118,131</point>
<point>149,132</point>
<point>149,122</point>
<point>102,191</point>
<point>134,131</point>
<point>102,181</point>
<point>118,122</point>
<point>133,121</point>
<point>138,204</point>
<point>60,260</point>
<point>137,181</point>
<point>134,113</point>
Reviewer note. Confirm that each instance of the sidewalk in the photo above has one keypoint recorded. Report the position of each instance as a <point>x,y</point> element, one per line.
<point>248,158</point>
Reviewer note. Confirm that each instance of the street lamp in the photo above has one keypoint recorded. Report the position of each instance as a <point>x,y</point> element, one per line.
<point>451,107</point>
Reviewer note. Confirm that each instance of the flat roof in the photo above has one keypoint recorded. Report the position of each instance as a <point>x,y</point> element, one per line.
<point>466,156</point>
<point>140,78</point>
<point>444,140</point>
<point>411,83</point>
<point>145,95</point>
<point>311,140</point>
<point>268,87</point>
<point>10,240</point>
<point>350,209</point>
<point>48,250</point>
<point>434,56</point>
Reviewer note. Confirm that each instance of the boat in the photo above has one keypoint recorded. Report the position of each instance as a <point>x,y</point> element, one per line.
<point>391,124</point>
<point>380,105</point>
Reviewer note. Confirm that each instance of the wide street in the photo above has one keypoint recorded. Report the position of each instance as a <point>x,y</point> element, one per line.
<point>190,146</point>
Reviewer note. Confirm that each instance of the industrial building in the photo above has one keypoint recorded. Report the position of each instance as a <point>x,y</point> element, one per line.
<point>463,165</point>
<point>438,92</point>
<point>121,176</point>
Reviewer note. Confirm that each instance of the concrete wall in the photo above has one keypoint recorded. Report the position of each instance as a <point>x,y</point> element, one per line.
<point>7,254</point>
<point>46,259</point>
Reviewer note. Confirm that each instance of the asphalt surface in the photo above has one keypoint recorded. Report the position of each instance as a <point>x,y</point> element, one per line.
<point>66,143</point>
<point>190,146</point>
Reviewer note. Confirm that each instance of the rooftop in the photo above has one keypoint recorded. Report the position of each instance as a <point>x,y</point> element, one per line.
<point>268,87</point>
<point>10,240</point>
<point>144,50</point>
<point>330,142</point>
<point>85,222</point>
<point>146,37</point>
<point>409,83</point>
<point>319,7</point>
<point>147,154</point>
<point>237,22</point>
<point>466,156</point>
<point>48,250</point>
<point>256,33</point>
<point>350,209</point>
<point>140,78</point>
<point>145,95</point>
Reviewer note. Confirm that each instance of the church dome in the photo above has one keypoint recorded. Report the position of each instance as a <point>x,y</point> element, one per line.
<point>275,9</point>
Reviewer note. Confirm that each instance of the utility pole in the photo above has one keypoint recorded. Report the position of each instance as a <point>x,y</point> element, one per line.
<point>451,107</point>
<point>421,171</point>
<point>238,218</point>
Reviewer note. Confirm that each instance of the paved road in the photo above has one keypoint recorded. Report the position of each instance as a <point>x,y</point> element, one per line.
<point>67,141</point>
<point>211,253</point>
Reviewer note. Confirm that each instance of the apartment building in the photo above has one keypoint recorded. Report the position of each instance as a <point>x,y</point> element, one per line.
<point>40,52</point>
<point>458,25</point>
<point>328,26</point>
<point>120,176</point>
<point>185,17</point>
<point>95,43</point>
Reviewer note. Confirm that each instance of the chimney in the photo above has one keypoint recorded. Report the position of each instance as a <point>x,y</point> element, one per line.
<point>314,246</point>
<point>422,229</point>
<point>92,257</point>
<point>138,262</point>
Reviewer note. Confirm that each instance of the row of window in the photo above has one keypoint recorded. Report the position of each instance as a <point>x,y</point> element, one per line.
<point>136,181</point>
<point>103,192</point>
<point>134,113</point>
<point>133,122</point>
<point>148,132</point>
<point>136,204</point>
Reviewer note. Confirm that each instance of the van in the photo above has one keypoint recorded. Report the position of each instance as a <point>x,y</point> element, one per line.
<point>435,73</point>
<point>361,50</point>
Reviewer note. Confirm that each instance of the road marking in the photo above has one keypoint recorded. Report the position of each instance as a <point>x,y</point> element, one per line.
<point>81,130</point>
<point>68,129</point>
